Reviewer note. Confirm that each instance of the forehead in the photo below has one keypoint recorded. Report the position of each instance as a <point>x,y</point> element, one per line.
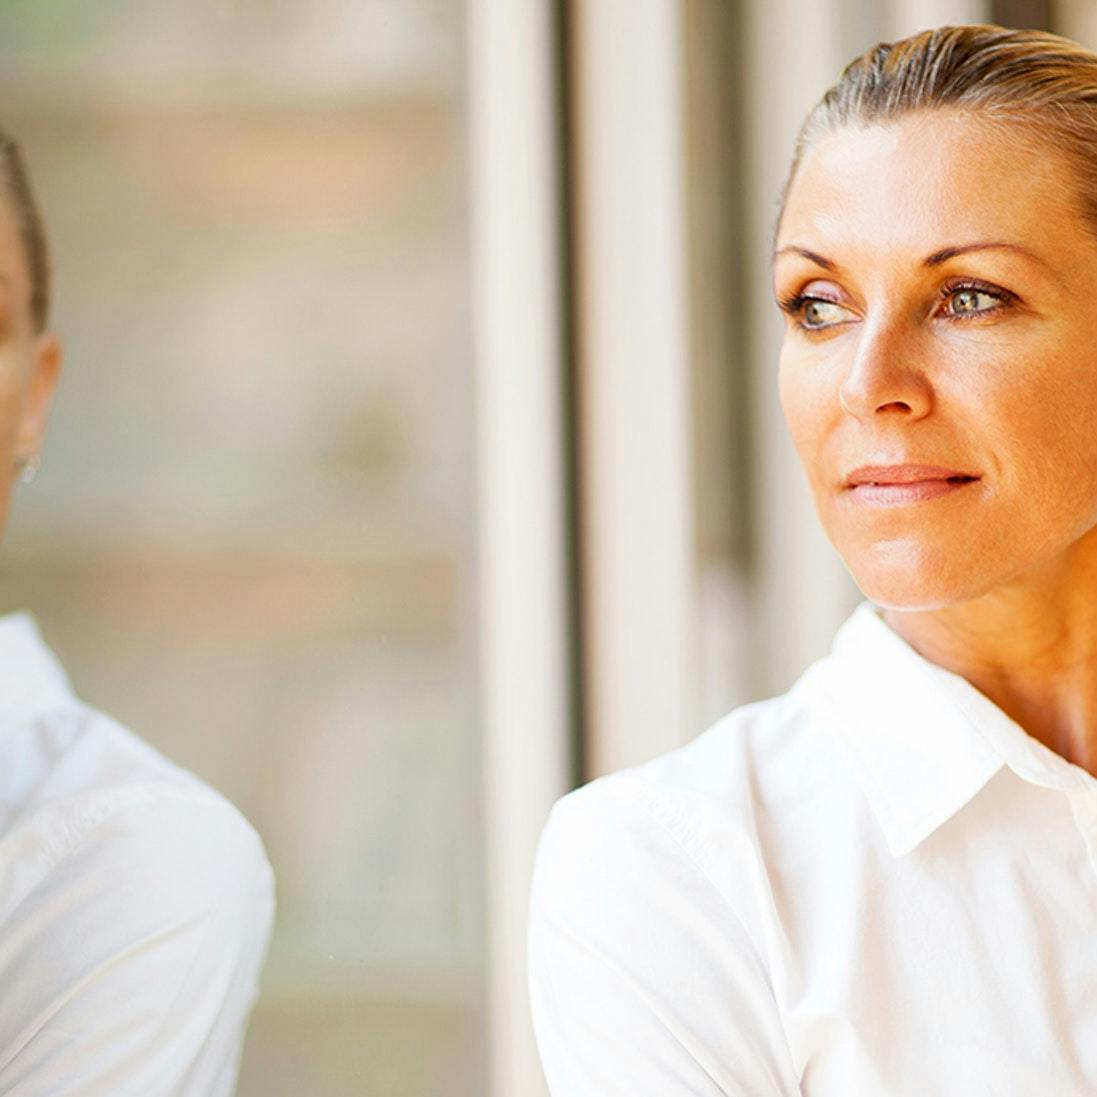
<point>930,180</point>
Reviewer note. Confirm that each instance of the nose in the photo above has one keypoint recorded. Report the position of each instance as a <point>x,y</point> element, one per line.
<point>885,376</point>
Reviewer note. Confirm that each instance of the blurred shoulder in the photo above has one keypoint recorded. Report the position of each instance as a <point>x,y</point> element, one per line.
<point>95,802</point>
<point>78,789</point>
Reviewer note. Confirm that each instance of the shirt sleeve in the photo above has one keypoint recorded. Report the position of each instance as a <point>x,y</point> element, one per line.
<point>643,981</point>
<point>130,967</point>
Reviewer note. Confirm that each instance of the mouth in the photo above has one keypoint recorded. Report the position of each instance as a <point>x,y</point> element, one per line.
<point>902,484</point>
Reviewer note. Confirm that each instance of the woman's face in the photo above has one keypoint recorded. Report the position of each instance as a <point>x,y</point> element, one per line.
<point>940,290</point>
<point>29,362</point>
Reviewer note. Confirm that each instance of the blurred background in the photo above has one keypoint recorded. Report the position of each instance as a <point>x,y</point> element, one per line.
<point>418,454</point>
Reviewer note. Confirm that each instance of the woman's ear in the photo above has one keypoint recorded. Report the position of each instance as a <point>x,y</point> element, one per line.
<point>45,370</point>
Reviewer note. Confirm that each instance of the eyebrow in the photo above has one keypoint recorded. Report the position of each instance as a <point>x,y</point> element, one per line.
<point>933,260</point>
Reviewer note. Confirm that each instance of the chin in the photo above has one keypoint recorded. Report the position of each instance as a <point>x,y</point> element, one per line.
<point>907,594</point>
<point>902,576</point>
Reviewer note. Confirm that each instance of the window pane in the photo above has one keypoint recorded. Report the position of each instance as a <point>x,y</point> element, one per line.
<point>250,537</point>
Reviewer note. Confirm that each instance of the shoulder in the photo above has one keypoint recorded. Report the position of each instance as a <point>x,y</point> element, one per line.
<point>150,861</point>
<point>136,903</point>
<point>86,799</point>
<point>181,836</point>
<point>133,899</point>
<point>648,941</point>
<point>757,753</point>
<point>723,812</point>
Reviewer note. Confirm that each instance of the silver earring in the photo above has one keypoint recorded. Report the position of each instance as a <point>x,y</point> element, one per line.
<point>28,467</point>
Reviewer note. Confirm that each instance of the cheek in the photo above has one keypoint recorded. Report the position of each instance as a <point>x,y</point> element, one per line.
<point>1049,425</point>
<point>793,404</point>
<point>11,397</point>
<point>11,404</point>
<point>1054,474</point>
<point>808,406</point>
<point>10,407</point>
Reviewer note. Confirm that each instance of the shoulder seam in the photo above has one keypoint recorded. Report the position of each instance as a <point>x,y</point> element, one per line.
<point>94,815</point>
<point>665,818</point>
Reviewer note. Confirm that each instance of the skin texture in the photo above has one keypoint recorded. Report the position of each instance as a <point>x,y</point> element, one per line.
<point>984,362</point>
<point>30,363</point>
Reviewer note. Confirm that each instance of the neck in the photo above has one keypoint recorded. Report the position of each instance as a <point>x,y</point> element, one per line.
<point>1030,646</point>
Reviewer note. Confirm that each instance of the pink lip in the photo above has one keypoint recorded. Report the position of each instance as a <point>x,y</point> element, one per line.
<point>904,474</point>
<point>890,485</point>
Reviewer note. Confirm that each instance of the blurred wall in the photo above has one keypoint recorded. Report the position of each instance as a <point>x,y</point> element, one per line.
<point>250,538</point>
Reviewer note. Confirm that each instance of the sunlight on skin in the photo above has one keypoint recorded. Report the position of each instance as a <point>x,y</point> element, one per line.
<point>939,285</point>
<point>30,362</point>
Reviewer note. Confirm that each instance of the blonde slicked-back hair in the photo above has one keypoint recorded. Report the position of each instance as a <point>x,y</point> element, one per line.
<point>1039,84</point>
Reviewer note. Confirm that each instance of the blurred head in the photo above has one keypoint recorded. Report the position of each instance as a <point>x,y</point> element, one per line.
<point>936,258</point>
<point>30,356</point>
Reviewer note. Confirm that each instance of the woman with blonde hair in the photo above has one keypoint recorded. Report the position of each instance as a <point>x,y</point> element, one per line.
<point>884,882</point>
<point>135,902</point>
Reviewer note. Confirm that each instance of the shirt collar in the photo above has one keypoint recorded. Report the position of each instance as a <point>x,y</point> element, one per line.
<point>922,740</point>
<point>31,678</point>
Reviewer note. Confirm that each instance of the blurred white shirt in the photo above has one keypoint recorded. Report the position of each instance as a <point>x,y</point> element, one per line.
<point>877,884</point>
<point>135,902</point>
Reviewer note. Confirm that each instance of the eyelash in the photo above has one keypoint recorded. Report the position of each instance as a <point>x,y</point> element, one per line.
<point>794,303</point>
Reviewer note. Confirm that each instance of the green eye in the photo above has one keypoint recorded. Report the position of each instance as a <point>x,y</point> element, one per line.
<point>818,313</point>
<point>971,302</point>
<point>811,313</point>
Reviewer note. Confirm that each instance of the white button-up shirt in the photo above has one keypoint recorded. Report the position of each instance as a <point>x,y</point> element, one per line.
<point>877,884</point>
<point>135,902</point>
